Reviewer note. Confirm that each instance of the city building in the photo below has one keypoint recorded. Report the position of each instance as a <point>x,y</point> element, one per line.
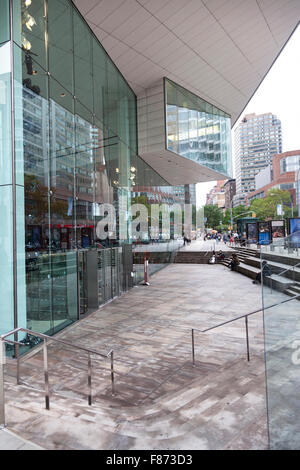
<point>257,139</point>
<point>216,194</point>
<point>284,176</point>
<point>97,100</point>
<point>230,191</point>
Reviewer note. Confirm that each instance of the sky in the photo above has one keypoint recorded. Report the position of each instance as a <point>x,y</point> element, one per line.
<point>279,93</point>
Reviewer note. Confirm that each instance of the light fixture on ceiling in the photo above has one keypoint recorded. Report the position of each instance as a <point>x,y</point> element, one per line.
<point>62,95</point>
<point>27,3</point>
<point>133,169</point>
<point>117,170</point>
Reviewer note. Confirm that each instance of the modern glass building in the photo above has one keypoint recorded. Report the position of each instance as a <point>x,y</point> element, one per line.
<point>68,145</point>
<point>197,130</point>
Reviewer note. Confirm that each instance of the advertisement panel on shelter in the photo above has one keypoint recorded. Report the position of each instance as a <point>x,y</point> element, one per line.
<point>278,229</point>
<point>252,232</point>
<point>294,230</point>
<point>264,236</point>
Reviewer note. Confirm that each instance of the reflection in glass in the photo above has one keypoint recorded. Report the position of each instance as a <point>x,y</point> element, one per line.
<point>196,129</point>
<point>282,342</point>
<point>4,21</point>
<point>76,148</point>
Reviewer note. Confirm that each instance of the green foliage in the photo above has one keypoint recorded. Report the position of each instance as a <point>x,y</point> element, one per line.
<point>236,212</point>
<point>266,208</point>
<point>214,216</point>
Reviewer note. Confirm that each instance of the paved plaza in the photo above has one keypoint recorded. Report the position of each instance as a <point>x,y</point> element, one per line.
<point>162,401</point>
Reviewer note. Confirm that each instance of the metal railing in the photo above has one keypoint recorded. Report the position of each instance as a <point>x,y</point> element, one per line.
<point>289,269</point>
<point>246,315</point>
<point>46,339</point>
<point>292,268</point>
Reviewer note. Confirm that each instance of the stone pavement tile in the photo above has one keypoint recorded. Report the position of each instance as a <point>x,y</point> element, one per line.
<point>10,441</point>
<point>157,388</point>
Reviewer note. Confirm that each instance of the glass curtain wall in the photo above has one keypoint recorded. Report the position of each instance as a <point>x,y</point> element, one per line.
<point>6,175</point>
<point>197,130</point>
<point>75,149</point>
<point>282,341</point>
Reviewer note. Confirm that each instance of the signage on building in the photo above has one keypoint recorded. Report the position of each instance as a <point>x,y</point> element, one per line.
<point>278,228</point>
<point>294,231</point>
<point>264,235</point>
<point>251,231</point>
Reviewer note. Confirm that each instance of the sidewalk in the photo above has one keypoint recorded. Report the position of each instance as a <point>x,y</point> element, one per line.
<point>162,401</point>
<point>10,441</point>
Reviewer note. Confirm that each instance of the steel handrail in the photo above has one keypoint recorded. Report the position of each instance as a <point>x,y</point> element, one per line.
<point>246,315</point>
<point>289,269</point>
<point>46,339</point>
<point>52,338</point>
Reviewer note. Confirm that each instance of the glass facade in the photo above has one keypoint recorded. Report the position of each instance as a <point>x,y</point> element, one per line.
<point>197,130</point>
<point>71,148</point>
<point>282,340</point>
<point>291,163</point>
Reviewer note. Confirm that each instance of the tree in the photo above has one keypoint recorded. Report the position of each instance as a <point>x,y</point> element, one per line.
<point>266,208</point>
<point>236,211</point>
<point>213,215</point>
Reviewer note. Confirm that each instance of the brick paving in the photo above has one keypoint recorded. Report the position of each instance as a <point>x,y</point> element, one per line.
<point>162,401</point>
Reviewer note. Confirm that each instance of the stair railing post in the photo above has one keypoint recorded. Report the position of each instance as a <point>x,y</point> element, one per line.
<point>17,354</point>
<point>89,379</point>
<point>46,375</point>
<point>112,373</point>
<point>247,338</point>
<point>2,393</point>
<point>193,346</point>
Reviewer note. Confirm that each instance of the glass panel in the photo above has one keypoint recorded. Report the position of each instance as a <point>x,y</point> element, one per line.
<point>100,79</point>
<point>74,153</point>
<point>21,261</point>
<point>4,21</point>
<point>5,115</point>
<point>280,287</point>
<point>112,101</point>
<point>60,38</point>
<point>62,177</point>
<point>84,174</point>
<point>197,130</point>
<point>30,22</point>
<point>19,122</point>
<point>6,260</point>
<point>38,289</point>
<point>64,289</point>
<point>83,62</point>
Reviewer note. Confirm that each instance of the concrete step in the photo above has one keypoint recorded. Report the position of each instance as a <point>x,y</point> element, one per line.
<point>290,293</point>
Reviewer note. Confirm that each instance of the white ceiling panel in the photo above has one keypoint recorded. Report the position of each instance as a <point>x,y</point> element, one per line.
<point>218,49</point>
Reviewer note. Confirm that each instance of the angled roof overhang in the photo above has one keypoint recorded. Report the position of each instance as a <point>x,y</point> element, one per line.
<point>218,49</point>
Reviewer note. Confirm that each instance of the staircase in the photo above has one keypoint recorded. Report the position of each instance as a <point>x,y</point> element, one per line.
<point>195,257</point>
<point>177,419</point>
<point>289,283</point>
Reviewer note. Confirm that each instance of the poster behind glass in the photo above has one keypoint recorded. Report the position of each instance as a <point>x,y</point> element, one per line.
<point>264,237</point>
<point>251,229</point>
<point>278,229</point>
<point>294,231</point>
